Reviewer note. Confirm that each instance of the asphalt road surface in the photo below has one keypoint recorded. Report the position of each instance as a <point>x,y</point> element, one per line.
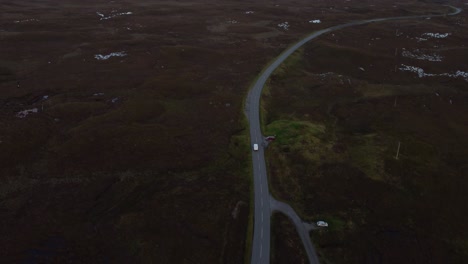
<point>301,227</point>
<point>261,236</point>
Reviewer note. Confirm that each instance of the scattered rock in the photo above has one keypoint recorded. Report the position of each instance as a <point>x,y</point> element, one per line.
<point>421,72</point>
<point>113,14</point>
<point>24,113</point>
<point>284,25</point>
<point>435,35</point>
<point>235,212</point>
<point>113,54</point>
<point>417,54</point>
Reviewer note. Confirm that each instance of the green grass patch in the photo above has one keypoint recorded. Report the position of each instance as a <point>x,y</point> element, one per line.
<point>335,223</point>
<point>290,132</point>
<point>420,153</point>
<point>291,65</point>
<point>366,154</point>
<point>293,156</point>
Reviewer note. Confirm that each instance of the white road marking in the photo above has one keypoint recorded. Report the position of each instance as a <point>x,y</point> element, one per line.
<point>261,250</point>
<point>262,220</point>
<point>261,188</point>
<point>261,234</point>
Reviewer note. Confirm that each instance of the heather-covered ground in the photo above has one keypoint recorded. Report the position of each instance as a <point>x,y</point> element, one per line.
<point>341,105</point>
<point>122,135</point>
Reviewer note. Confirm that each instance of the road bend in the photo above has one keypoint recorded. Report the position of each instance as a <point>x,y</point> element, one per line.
<point>261,236</point>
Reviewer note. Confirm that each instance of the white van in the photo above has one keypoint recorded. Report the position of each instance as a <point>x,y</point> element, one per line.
<point>255,147</point>
<point>322,223</point>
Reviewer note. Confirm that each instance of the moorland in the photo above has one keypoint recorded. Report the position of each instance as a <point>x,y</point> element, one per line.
<point>123,137</point>
<point>371,137</point>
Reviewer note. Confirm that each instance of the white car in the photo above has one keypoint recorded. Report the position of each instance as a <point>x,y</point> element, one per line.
<point>255,147</point>
<point>322,223</point>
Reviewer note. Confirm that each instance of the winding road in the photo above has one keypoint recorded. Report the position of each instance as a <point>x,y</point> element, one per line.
<point>264,204</point>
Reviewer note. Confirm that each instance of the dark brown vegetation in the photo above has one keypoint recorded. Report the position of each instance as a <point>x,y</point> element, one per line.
<point>132,159</point>
<point>142,158</point>
<point>338,128</point>
<point>286,246</point>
